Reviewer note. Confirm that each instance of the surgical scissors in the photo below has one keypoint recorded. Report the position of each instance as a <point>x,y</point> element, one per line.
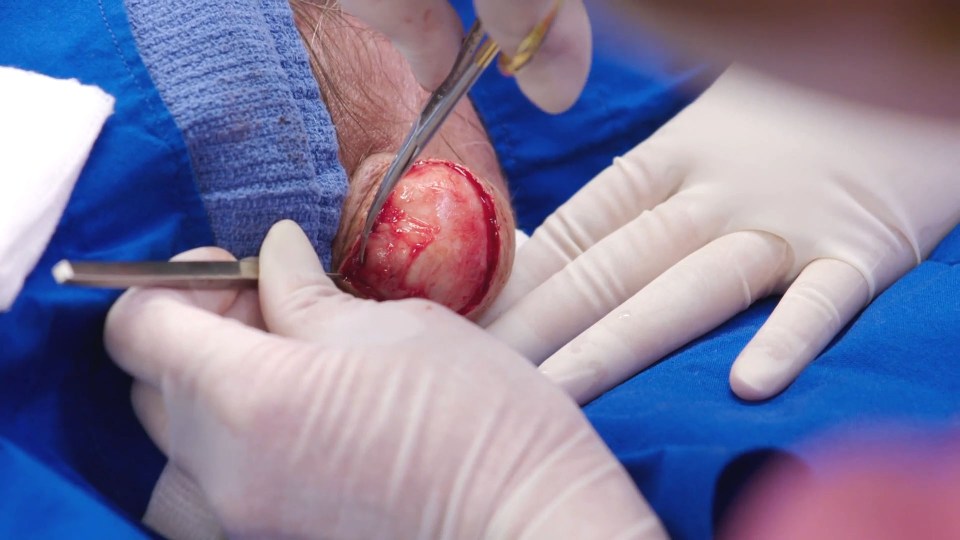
<point>477,52</point>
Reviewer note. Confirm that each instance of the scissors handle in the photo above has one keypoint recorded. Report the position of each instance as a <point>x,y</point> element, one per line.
<point>171,274</point>
<point>476,54</point>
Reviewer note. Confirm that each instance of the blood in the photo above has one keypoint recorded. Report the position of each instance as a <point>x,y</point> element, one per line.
<point>459,231</point>
<point>493,238</point>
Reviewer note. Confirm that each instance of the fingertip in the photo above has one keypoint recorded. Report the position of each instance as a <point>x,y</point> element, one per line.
<point>557,74</point>
<point>556,87</point>
<point>285,230</point>
<point>746,389</point>
<point>580,382</point>
<point>288,263</point>
<point>293,284</point>
<point>823,298</point>
<point>287,252</point>
<point>752,379</point>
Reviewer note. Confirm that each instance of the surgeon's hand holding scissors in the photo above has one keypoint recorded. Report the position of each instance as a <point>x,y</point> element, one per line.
<point>756,188</point>
<point>302,411</point>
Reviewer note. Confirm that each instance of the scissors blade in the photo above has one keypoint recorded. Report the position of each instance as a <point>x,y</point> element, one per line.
<point>476,54</point>
<point>171,274</point>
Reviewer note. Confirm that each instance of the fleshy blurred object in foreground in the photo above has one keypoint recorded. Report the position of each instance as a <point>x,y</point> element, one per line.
<point>47,128</point>
<point>868,490</point>
<point>895,53</point>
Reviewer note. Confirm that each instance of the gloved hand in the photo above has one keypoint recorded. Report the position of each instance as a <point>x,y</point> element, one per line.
<point>429,32</point>
<point>357,419</point>
<point>755,188</point>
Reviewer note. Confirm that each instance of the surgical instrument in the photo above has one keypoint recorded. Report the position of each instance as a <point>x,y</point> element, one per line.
<point>476,54</point>
<point>172,274</point>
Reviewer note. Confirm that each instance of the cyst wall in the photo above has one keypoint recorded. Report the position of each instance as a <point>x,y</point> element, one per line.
<point>444,234</point>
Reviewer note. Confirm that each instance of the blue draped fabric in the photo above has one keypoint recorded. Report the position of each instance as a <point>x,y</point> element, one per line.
<point>63,402</point>
<point>237,80</point>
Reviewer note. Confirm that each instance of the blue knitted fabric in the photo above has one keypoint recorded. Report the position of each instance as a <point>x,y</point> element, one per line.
<point>236,77</point>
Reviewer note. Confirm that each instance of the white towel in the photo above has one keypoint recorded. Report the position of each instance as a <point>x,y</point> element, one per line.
<point>47,128</point>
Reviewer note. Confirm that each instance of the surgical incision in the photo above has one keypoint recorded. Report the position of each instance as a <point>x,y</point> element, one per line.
<point>444,234</point>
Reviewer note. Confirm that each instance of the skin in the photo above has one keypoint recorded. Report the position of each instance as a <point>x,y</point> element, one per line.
<point>373,98</point>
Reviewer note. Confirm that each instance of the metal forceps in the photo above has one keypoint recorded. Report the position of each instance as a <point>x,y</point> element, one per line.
<point>477,52</point>
<point>244,273</point>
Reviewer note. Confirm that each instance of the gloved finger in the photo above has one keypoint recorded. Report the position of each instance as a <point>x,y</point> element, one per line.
<point>427,32</point>
<point>634,183</point>
<point>601,279</point>
<point>148,406</point>
<point>157,337</point>
<point>297,297</point>
<point>239,304</point>
<point>558,71</point>
<point>300,301</point>
<point>695,296</point>
<point>823,299</point>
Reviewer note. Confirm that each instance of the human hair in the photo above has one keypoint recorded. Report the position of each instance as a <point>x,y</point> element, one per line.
<point>337,56</point>
<point>350,62</point>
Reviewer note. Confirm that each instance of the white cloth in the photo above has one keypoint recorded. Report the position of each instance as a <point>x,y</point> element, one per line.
<point>47,128</point>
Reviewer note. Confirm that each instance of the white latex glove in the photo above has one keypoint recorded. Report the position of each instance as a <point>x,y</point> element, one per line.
<point>357,419</point>
<point>756,188</point>
<point>429,32</point>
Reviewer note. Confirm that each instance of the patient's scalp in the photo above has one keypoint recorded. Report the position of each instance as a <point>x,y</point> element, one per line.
<point>444,234</point>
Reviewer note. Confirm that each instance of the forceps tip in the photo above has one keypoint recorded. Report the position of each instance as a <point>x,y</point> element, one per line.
<point>63,272</point>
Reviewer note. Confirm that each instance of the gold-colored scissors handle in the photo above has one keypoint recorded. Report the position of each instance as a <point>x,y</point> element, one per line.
<point>510,65</point>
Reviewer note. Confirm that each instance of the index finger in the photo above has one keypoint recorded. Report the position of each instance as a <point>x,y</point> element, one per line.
<point>153,334</point>
<point>558,70</point>
<point>634,183</point>
<point>426,32</point>
<point>239,304</point>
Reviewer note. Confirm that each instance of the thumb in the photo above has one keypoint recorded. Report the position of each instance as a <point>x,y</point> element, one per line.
<point>296,295</point>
